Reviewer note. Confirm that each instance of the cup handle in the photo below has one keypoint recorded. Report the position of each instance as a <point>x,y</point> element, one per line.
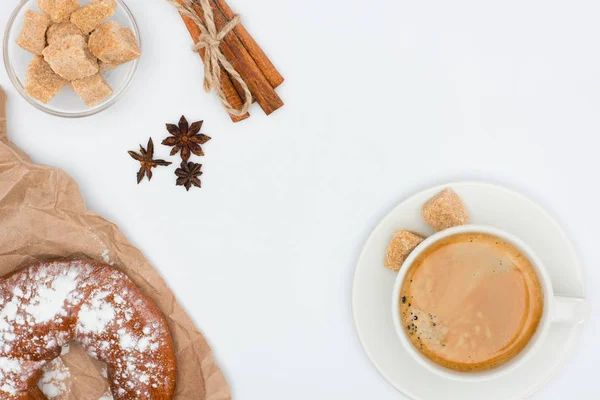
<point>570,310</point>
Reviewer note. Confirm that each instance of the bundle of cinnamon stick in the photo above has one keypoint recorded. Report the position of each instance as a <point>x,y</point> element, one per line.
<point>246,57</point>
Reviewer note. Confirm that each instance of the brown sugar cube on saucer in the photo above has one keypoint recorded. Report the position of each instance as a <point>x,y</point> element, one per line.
<point>92,89</point>
<point>58,10</point>
<point>70,58</point>
<point>33,34</point>
<point>114,44</point>
<point>401,245</point>
<point>445,210</point>
<point>41,82</point>
<point>61,30</point>
<point>88,17</point>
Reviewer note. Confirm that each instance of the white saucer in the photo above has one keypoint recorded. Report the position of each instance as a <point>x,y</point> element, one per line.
<point>487,205</point>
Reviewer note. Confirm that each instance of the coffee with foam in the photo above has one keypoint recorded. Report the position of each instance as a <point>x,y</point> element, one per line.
<point>471,302</point>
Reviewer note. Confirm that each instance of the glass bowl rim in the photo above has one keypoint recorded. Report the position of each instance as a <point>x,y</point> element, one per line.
<point>42,107</point>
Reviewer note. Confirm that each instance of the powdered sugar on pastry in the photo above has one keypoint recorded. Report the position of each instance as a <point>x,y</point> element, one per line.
<point>45,306</point>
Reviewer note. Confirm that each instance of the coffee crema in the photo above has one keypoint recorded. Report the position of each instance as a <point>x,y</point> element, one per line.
<point>471,302</point>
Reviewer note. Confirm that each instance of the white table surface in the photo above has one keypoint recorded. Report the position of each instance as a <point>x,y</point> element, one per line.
<point>383,98</point>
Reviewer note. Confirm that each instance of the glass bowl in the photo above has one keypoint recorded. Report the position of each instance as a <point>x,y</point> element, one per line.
<point>66,103</point>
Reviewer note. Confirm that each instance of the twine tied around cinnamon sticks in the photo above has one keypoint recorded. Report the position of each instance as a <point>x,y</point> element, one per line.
<point>210,39</point>
<point>235,65</point>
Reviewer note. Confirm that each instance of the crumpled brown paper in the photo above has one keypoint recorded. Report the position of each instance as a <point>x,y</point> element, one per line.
<point>42,215</point>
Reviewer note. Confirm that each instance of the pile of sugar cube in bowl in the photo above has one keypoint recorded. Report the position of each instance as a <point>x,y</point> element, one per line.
<point>73,47</point>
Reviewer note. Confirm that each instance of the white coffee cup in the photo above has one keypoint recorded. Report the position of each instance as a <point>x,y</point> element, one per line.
<point>557,309</point>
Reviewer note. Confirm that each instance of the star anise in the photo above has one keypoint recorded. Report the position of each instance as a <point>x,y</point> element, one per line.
<point>188,174</point>
<point>146,160</point>
<point>186,138</point>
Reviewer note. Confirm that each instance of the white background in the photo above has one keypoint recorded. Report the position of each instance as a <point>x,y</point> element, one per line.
<point>383,98</point>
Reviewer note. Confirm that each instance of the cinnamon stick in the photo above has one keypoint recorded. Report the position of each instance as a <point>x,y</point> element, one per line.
<point>262,61</point>
<point>235,52</point>
<point>234,96</point>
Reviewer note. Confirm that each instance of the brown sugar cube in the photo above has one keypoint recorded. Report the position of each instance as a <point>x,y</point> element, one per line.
<point>107,66</point>
<point>41,82</point>
<point>114,44</point>
<point>61,30</point>
<point>33,34</point>
<point>70,58</point>
<point>401,245</point>
<point>88,17</point>
<point>445,210</point>
<point>92,89</point>
<point>58,10</point>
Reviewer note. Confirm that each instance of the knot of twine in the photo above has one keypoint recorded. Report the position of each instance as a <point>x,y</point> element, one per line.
<point>210,39</point>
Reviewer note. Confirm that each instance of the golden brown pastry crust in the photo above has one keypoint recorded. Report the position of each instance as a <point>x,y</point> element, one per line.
<point>49,304</point>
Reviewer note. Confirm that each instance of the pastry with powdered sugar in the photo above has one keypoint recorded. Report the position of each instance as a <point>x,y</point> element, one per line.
<point>49,304</point>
